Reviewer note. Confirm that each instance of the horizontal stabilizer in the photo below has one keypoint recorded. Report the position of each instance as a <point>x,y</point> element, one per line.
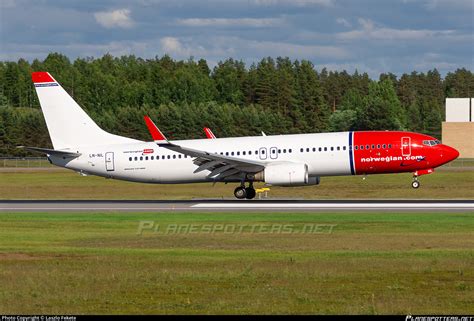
<point>54,152</point>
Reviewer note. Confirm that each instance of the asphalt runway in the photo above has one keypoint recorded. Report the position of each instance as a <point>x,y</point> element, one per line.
<point>236,206</point>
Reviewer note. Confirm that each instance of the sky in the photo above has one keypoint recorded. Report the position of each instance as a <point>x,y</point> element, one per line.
<point>373,36</point>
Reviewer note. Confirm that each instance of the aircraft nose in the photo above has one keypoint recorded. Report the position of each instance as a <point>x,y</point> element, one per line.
<point>449,153</point>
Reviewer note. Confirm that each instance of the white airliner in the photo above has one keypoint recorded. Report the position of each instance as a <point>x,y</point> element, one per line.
<point>284,160</point>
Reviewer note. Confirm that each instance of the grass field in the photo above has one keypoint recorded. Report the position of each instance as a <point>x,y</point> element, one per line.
<point>376,263</point>
<point>35,184</point>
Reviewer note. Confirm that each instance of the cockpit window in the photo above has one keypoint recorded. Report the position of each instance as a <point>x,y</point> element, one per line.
<point>431,142</point>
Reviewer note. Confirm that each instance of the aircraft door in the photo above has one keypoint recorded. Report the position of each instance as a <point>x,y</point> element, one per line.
<point>109,161</point>
<point>262,153</point>
<point>406,146</point>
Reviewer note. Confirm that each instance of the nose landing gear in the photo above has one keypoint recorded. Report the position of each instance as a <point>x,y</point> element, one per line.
<point>416,183</point>
<point>242,192</point>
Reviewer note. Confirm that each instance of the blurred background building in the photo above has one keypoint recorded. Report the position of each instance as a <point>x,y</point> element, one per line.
<point>458,129</point>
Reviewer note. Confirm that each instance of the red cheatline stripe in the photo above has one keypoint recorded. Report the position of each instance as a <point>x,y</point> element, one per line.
<point>41,76</point>
<point>154,131</point>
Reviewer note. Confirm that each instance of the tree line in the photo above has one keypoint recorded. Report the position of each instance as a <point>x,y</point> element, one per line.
<point>277,96</point>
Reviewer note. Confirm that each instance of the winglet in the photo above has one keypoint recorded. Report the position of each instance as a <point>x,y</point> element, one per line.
<point>41,77</point>
<point>155,132</point>
<point>209,133</point>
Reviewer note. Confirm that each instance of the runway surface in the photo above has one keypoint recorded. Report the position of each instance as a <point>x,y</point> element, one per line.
<point>235,205</point>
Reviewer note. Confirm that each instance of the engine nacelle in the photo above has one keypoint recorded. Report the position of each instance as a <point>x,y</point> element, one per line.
<point>287,174</point>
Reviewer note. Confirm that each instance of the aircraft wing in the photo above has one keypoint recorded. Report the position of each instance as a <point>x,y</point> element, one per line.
<point>220,166</point>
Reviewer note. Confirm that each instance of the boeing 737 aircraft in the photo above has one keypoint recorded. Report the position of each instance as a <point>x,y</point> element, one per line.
<point>282,160</point>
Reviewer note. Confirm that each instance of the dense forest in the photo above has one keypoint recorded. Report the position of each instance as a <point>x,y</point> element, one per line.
<point>276,96</point>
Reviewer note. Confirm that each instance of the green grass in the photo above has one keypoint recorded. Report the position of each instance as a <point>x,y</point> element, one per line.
<point>371,263</point>
<point>69,185</point>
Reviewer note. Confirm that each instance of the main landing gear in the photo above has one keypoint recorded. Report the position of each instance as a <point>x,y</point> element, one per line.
<point>415,183</point>
<point>242,192</point>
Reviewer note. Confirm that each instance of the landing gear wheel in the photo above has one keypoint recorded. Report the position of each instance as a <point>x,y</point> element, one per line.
<point>240,192</point>
<point>250,193</point>
<point>415,184</point>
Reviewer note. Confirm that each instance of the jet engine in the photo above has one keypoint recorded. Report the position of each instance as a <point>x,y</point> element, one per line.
<point>287,174</point>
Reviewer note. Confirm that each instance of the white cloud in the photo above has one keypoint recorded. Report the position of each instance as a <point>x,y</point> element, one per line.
<point>224,47</point>
<point>270,48</point>
<point>171,45</point>
<point>368,30</point>
<point>4,4</point>
<point>432,60</point>
<point>231,22</point>
<point>297,3</point>
<point>119,18</point>
<point>73,50</point>
<point>434,4</point>
<point>343,22</point>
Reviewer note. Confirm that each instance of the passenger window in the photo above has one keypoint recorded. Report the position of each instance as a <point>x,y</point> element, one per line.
<point>384,146</point>
<point>226,153</point>
<point>238,153</point>
<point>378,146</point>
<point>389,145</point>
<point>356,147</point>
<point>289,150</point>
<point>179,156</point>
<point>146,157</point>
<point>130,159</point>
<point>243,153</point>
<point>168,156</point>
<point>343,147</point>
<point>325,149</point>
<point>307,150</point>
<point>319,149</point>
<point>367,146</point>
<point>284,151</point>
<point>174,156</point>
<point>361,147</point>
<point>250,152</point>
<point>301,150</point>
<point>314,149</point>
<point>332,148</point>
<point>141,158</point>
<point>338,148</point>
<point>373,146</point>
<point>232,153</point>
<point>279,151</point>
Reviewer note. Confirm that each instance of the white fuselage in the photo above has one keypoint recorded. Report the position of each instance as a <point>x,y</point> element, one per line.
<point>147,162</point>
